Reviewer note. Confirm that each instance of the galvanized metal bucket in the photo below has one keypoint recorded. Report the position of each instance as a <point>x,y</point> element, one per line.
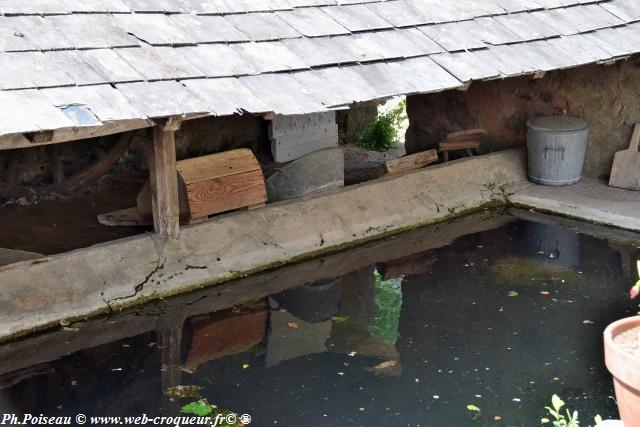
<point>557,146</point>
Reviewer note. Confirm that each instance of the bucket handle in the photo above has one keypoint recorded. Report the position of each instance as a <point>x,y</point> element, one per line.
<point>555,149</point>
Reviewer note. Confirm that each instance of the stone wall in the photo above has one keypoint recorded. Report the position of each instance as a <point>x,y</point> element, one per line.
<point>608,96</point>
<point>352,121</point>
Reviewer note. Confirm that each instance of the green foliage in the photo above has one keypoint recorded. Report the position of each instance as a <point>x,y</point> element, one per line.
<point>382,134</point>
<point>199,408</point>
<point>559,419</point>
<point>389,301</point>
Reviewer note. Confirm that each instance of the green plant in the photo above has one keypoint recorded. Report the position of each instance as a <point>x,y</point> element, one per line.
<point>560,420</point>
<point>389,301</point>
<point>382,133</point>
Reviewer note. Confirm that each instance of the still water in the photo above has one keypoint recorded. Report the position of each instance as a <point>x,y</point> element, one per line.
<point>494,312</point>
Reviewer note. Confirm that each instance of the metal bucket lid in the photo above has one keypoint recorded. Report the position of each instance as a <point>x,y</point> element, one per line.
<point>557,124</point>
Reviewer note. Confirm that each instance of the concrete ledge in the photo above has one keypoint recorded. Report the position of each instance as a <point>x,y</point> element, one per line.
<point>35,294</point>
<point>589,200</point>
<point>112,276</point>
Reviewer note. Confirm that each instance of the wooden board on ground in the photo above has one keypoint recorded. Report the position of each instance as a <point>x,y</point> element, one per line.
<point>625,172</point>
<point>129,216</point>
<point>410,162</point>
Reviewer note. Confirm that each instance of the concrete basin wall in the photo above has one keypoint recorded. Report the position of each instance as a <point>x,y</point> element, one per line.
<point>109,277</point>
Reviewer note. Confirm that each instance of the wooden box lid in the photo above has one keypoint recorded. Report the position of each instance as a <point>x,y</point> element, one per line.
<point>217,165</point>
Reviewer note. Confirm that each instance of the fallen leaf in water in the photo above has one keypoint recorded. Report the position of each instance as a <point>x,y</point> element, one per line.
<point>497,418</point>
<point>512,294</point>
<point>473,408</point>
<point>353,353</point>
<point>245,365</point>
<point>545,292</point>
<point>200,408</point>
<point>587,322</point>
<point>293,325</point>
<point>74,382</point>
<point>386,364</point>
<point>339,319</point>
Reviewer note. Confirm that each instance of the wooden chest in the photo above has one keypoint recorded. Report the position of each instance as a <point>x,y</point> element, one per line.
<point>221,182</point>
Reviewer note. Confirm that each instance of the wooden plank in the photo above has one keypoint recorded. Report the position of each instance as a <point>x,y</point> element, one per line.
<point>411,162</point>
<point>10,142</point>
<point>161,156</point>
<point>477,132</point>
<point>226,193</point>
<point>128,216</point>
<point>463,138</point>
<point>217,165</point>
<point>457,145</point>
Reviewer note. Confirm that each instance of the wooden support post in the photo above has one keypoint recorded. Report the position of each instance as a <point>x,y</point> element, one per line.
<point>161,156</point>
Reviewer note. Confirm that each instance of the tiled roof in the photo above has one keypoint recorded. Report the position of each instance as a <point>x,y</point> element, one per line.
<point>138,59</point>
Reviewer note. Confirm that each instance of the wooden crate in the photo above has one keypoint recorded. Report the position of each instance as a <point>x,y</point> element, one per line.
<point>221,182</point>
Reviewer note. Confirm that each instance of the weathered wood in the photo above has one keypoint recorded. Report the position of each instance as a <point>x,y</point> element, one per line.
<point>465,134</point>
<point>100,167</point>
<point>161,156</point>
<point>128,216</point>
<point>217,165</point>
<point>221,182</point>
<point>625,172</point>
<point>226,193</point>
<point>144,204</point>
<point>9,142</point>
<point>411,162</point>
<point>457,145</point>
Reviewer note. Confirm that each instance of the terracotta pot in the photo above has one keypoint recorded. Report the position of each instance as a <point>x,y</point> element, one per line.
<point>625,370</point>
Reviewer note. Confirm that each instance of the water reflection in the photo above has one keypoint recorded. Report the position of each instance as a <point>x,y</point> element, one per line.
<point>489,310</point>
